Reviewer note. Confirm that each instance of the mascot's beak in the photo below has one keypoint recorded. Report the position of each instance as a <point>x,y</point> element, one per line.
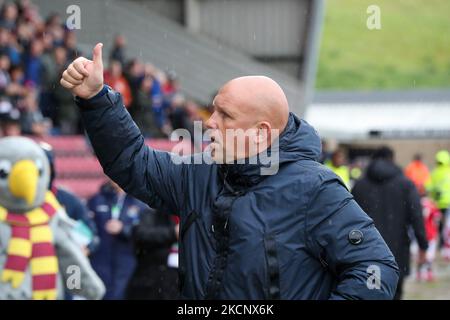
<point>23,180</point>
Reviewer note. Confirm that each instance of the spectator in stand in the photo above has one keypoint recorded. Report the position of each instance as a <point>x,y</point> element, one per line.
<point>49,74</point>
<point>48,42</point>
<point>16,90</point>
<point>118,50</point>
<point>182,115</point>
<point>178,116</point>
<point>29,12</point>
<point>25,33</point>
<point>7,46</point>
<point>70,43</point>
<point>143,113</point>
<point>67,119</point>
<point>5,79</point>
<point>171,86</point>
<point>33,53</point>
<point>157,97</point>
<point>134,73</point>
<point>54,26</point>
<point>9,16</point>
<point>10,123</point>
<point>192,109</point>
<point>32,121</point>
<point>33,63</point>
<point>116,80</point>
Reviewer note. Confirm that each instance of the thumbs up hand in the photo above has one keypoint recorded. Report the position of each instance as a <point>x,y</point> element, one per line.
<point>84,77</point>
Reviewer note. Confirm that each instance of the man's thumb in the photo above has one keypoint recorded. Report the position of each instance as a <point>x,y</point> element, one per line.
<point>97,55</point>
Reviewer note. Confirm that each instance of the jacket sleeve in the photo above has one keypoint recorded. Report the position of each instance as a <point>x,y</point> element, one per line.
<point>415,216</point>
<point>344,239</point>
<point>149,175</point>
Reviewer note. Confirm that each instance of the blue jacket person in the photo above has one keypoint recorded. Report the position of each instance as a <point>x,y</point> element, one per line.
<point>296,234</point>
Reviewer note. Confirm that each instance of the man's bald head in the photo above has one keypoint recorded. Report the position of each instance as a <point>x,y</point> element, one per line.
<point>251,103</point>
<point>258,97</point>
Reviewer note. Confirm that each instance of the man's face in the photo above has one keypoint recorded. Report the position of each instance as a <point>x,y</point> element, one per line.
<point>11,129</point>
<point>233,131</point>
<point>338,159</point>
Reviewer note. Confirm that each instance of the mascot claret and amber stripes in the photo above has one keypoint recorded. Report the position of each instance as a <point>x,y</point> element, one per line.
<point>36,246</point>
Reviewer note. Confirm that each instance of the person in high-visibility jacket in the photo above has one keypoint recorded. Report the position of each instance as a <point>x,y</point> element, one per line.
<point>438,186</point>
<point>439,183</point>
<point>337,165</point>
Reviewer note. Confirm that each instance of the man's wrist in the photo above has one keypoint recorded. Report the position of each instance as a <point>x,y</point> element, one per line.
<point>102,98</point>
<point>100,92</point>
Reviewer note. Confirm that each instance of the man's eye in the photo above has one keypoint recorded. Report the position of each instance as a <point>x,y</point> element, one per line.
<point>224,115</point>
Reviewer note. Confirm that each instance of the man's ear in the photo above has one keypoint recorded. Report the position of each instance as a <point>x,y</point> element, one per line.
<point>263,134</point>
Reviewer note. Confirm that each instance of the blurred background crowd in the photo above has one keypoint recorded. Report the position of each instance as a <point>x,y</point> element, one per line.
<point>35,50</point>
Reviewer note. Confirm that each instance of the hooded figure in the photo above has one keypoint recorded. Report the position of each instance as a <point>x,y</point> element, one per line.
<point>393,202</point>
<point>296,234</point>
<point>38,255</point>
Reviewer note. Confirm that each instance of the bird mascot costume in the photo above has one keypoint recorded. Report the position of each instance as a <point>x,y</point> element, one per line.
<point>39,259</point>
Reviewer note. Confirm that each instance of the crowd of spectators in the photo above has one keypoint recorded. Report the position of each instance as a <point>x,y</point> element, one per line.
<point>35,51</point>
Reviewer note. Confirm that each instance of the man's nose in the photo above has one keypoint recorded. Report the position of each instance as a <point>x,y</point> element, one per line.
<point>211,122</point>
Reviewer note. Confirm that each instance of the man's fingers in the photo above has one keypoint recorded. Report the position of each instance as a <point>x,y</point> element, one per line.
<point>66,84</point>
<point>74,73</point>
<point>97,56</point>
<point>78,65</point>
<point>66,76</point>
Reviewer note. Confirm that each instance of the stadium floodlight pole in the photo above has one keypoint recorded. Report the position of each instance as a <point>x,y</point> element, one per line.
<point>311,56</point>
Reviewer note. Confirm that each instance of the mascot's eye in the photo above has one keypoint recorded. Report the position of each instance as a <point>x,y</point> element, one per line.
<point>5,168</point>
<point>40,167</point>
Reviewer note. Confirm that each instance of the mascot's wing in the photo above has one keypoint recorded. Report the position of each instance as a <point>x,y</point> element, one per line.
<point>79,277</point>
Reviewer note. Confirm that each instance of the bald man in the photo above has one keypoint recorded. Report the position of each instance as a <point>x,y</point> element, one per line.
<point>245,234</point>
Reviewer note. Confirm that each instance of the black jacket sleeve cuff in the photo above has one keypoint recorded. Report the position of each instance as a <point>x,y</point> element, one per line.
<point>103,99</point>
